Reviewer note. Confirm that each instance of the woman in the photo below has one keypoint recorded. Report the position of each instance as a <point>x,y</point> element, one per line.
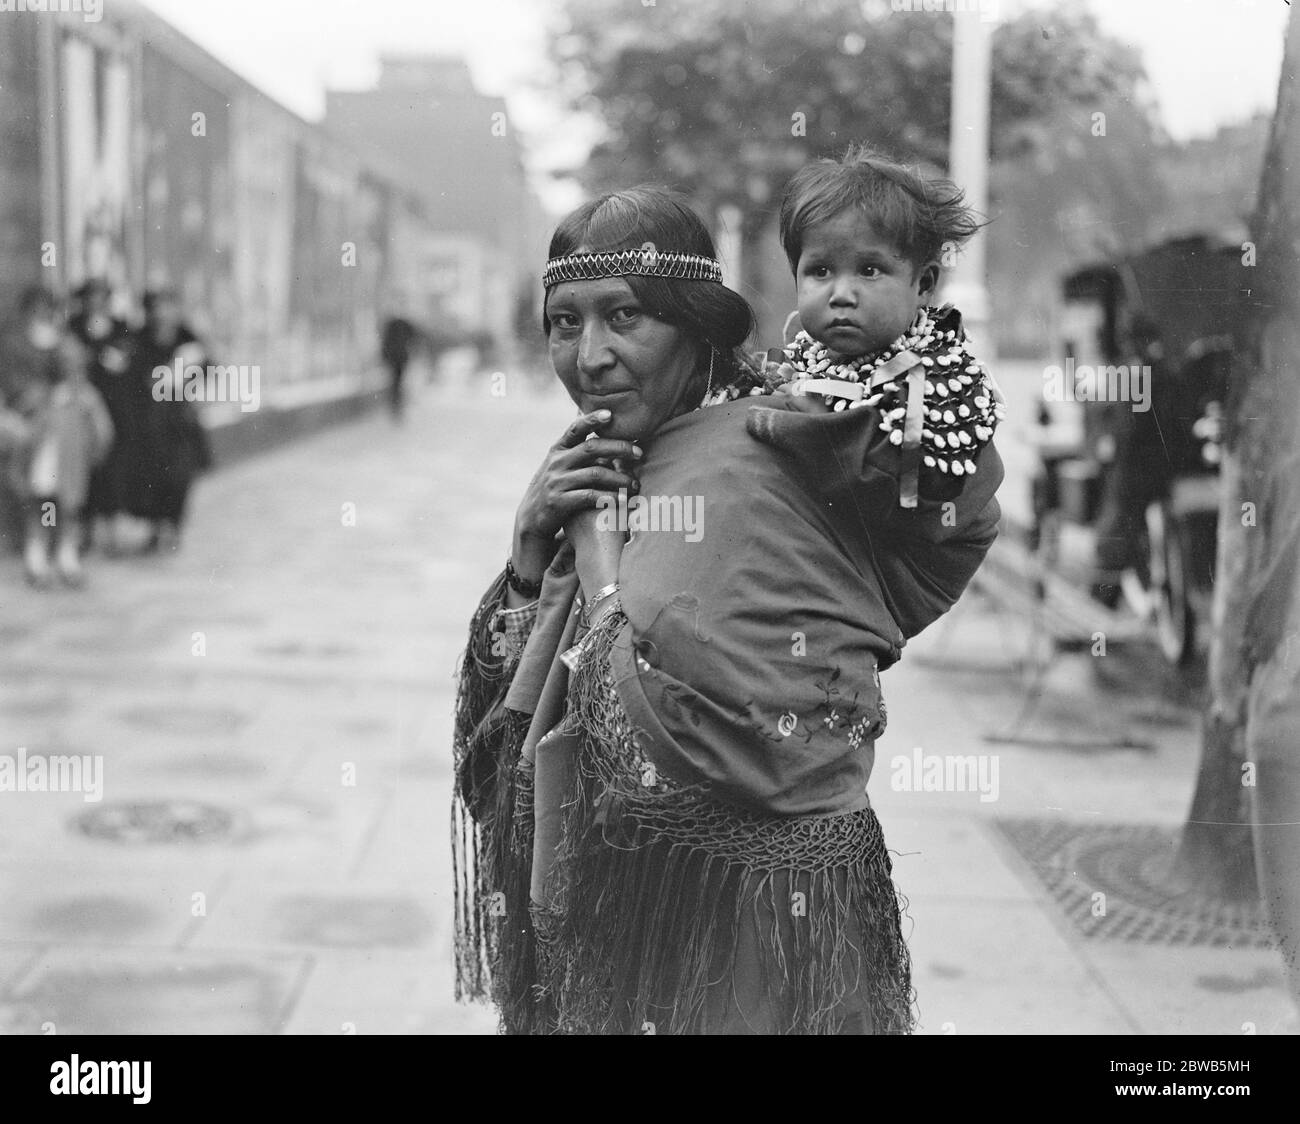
<point>108,343</point>
<point>174,446</point>
<point>662,823</point>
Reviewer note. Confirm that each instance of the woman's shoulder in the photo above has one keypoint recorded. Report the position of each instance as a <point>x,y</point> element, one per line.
<point>716,418</point>
<point>712,451</point>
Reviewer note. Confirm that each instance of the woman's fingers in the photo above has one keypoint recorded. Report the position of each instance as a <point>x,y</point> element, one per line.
<point>606,448</point>
<point>579,469</point>
<point>596,476</point>
<point>581,499</point>
<point>582,425</point>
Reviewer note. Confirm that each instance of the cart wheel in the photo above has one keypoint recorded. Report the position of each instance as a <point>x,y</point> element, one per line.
<point>1175,622</point>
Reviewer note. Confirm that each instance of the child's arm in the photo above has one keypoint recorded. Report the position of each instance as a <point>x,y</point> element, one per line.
<point>927,396</point>
<point>925,555</point>
<point>913,475</point>
<point>902,444</point>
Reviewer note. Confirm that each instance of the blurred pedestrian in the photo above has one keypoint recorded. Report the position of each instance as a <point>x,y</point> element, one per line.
<point>174,446</point>
<point>69,431</point>
<point>28,354</point>
<point>398,340</point>
<point>108,343</point>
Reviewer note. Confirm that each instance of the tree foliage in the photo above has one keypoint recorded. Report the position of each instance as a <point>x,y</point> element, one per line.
<point>725,100</point>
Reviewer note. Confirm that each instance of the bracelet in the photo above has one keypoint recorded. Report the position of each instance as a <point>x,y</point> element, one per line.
<point>594,600</point>
<point>573,657</point>
<point>606,608</point>
<point>521,585</point>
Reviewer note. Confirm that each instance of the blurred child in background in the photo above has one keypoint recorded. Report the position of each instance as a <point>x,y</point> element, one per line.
<point>29,352</point>
<point>68,432</point>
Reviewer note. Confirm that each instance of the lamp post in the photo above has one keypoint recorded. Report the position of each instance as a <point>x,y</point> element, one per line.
<point>968,164</point>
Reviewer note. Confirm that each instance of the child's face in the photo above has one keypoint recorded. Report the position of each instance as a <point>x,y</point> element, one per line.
<point>856,292</point>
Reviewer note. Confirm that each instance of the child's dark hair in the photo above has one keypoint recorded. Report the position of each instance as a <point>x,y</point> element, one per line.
<point>627,220</point>
<point>919,215</point>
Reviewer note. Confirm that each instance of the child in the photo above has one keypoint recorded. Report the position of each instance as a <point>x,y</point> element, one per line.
<point>70,432</point>
<point>29,352</point>
<point>864,238</point>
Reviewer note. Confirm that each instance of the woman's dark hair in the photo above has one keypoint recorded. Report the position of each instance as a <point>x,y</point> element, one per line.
<point>919,214</point>
<point>706,311</point>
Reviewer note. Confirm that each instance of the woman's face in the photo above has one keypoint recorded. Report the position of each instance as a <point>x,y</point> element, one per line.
<point>611,354</point>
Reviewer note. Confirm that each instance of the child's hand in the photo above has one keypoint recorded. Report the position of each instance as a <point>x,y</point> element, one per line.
<point>807,403</point>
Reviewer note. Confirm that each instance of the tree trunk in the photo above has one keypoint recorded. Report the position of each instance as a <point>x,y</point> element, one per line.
<point>1256,607</point>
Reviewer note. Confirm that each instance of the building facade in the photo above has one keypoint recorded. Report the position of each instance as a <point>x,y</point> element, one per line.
<point>486,245</point>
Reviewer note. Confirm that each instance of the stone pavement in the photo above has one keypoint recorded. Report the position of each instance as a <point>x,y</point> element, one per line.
<point>272,707</point>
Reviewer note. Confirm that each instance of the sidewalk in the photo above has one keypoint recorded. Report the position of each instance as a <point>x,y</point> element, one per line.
<point>273,705</point>
<point>993,950</point>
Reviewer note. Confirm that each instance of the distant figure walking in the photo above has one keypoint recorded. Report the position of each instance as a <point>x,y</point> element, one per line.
<point>397,341</point>
<point>174,446</point>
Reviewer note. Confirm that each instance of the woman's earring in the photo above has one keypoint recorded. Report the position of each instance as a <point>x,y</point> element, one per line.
<point>708,389</point>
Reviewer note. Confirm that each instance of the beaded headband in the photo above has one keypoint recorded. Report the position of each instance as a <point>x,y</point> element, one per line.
<point>645,262</point>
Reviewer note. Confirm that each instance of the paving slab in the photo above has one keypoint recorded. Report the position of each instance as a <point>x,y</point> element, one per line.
<point>117,991</point>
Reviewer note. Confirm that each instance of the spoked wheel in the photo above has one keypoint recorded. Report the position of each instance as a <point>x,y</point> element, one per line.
<point>1167,563</point>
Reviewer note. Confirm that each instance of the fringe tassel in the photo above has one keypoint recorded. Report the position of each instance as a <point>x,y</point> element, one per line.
<point>673,913</point>
<point>491,835</point>
<point>661,936</point>
<point>490,887</point>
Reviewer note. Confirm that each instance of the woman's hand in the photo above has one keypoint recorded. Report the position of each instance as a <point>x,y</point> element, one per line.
<point>574,476</point>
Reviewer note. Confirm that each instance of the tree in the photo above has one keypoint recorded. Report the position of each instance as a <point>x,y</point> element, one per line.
<point>726,100</point>
<point>1250,763</point>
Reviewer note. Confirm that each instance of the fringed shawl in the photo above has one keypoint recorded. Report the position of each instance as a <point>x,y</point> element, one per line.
<point>677,837</point>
